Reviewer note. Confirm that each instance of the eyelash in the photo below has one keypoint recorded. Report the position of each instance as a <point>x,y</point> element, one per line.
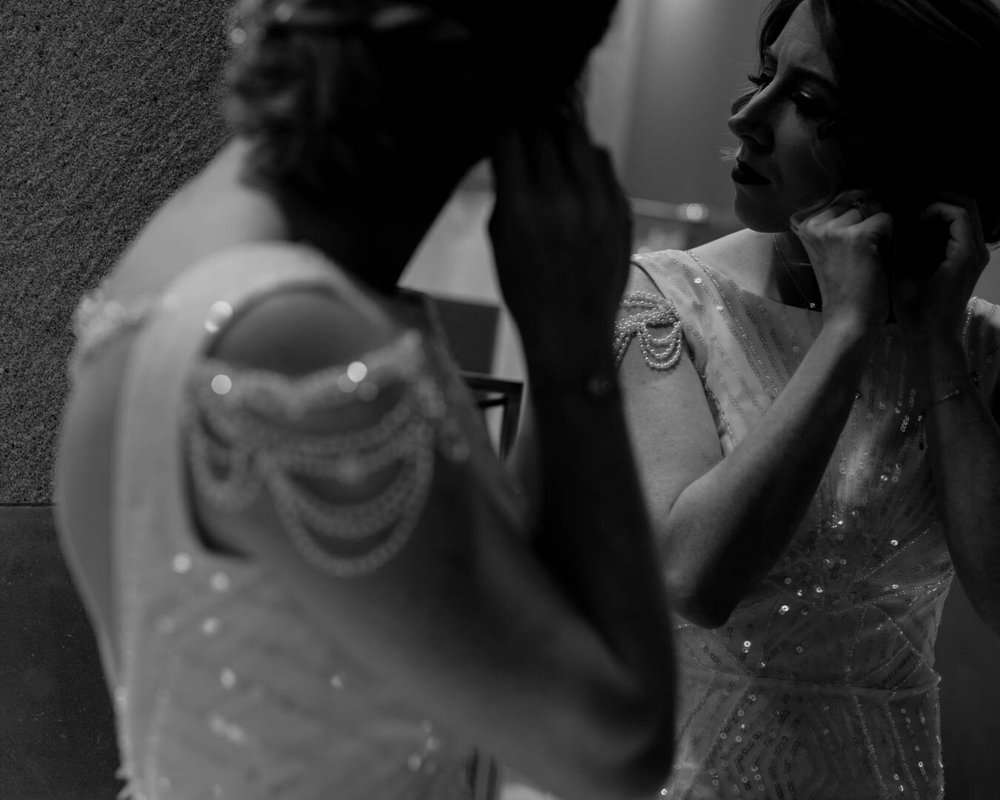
<point>807,106</point>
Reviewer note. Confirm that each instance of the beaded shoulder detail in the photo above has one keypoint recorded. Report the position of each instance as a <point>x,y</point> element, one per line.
<point>369,429</point>
<point>652,320</point>
<point>99,319</point>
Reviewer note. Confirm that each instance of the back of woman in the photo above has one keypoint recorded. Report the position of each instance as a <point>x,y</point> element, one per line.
<point>309,574</point>
<point>215,660</point>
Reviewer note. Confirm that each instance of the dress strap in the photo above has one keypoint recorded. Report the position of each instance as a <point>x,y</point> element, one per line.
<point>644,314</point>
<point>152,531</point>
<point>194,308</point>
<point>648,316</point>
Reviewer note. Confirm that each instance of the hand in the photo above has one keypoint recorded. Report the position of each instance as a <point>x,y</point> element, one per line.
<point>847,242</point>
<point>561,231</point>
<point>929,300</point>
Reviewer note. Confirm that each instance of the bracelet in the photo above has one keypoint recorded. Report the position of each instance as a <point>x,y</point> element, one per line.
<point>600,385</point>
<point>953,393</point>
<point>961,384</point>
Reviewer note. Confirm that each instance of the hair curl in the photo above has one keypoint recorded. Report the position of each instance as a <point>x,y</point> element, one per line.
<point>918,76</point>
<point>297,96</point>
<point>320,107</point>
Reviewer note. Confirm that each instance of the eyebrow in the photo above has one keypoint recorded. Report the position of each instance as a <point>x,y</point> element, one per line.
<point>805,72</point>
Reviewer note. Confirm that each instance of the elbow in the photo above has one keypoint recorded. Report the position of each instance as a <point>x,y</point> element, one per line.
<point>704,613</point>
<point>705,603</point>
<point>631,750</point>
<point>646,770</point>
<point>618,743</point>
<point>701,587</point>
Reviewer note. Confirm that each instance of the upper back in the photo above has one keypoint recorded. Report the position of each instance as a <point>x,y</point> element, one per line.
<point>207,214</point>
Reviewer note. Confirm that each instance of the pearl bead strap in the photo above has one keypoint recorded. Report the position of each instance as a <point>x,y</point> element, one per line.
<point>644,312</point>
<point>98,320</point>
<point>243,435</point>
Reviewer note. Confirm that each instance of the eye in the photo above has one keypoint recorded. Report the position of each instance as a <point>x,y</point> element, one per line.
<point>808,105</point>
<point>816,109</point>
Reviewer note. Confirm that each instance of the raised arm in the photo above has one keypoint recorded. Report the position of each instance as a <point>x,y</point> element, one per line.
<point>963,434</point>
<point>562,236</point>
<point>537,655</point>
<point>723,522</point>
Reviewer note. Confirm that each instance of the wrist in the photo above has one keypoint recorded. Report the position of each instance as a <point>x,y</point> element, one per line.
<point>943,388</point>
<point>933,349</point>
<point>851,332</point>
<point>939,383</point>
<point>594,380</point>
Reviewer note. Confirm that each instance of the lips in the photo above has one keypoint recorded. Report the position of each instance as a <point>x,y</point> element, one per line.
<point>745,175</point>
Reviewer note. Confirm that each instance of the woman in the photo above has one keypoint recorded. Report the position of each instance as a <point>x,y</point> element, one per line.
<point>309,575</point>
<point>829,458</point>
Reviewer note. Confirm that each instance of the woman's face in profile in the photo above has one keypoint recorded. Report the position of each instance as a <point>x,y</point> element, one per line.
<point>784,164</point>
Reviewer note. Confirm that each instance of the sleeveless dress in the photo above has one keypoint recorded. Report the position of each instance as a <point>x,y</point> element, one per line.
<point>225,689</point>
<point>821,685</point>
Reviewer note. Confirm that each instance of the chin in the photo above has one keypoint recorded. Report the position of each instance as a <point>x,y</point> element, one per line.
<point>758,216</point>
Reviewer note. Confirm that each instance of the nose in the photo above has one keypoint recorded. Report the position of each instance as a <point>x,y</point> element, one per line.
<point>749,120</point>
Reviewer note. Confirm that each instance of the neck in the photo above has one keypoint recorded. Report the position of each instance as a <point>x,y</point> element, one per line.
<point>791,272</point>
<point>794,253</point>
<point>370,230</point>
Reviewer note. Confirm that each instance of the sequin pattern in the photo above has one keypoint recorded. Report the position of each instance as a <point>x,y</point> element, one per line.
<point>226,689</point>
<point>821,684</point>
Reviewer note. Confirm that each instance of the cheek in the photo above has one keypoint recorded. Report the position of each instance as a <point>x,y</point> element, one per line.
<point>813,170</point>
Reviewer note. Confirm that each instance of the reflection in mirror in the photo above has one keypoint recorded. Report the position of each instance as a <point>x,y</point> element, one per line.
<point>804,481</point>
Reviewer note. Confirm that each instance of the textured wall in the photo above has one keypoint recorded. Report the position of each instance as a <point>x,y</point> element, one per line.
<point>105,107</point>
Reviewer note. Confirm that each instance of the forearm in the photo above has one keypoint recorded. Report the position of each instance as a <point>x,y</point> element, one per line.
<point>593,531</point>
<point>963,446</point>
<point>726,529</point>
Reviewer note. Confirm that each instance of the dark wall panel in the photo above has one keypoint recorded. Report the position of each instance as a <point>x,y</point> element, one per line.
<point>57,736</point>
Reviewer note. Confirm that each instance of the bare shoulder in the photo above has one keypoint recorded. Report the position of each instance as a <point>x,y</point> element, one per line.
<point>300,330</point>
<point>639,281</point>
<point>727,253</point>
<point>743,257</point>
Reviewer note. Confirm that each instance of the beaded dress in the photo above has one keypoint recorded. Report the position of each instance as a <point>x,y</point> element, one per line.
<point>821,684</point>
<point>224,687</point>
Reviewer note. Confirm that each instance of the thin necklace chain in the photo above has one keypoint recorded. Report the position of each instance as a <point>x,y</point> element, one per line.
<point>788,270</point>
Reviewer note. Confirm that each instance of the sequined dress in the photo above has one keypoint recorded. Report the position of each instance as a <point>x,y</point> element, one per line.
<point>821,685</point>
<point>224,688</point>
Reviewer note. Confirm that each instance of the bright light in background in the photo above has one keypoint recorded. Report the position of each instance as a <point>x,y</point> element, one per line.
<point>692,212</point>
<point>674,212</point>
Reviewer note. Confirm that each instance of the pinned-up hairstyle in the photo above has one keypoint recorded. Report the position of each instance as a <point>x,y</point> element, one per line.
<point>326,88</point>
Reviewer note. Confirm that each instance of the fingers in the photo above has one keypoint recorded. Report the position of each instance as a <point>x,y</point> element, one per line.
<point>966,242</point>
<point>847,208</point>
<point>855,206</point>
<point>528,158</point>
<point>543,152</point>
<point>589,167</point>
<point>509,159</point>
<point>554,161</point>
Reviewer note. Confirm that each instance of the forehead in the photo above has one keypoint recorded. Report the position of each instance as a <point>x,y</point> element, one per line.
<point>800,43</point>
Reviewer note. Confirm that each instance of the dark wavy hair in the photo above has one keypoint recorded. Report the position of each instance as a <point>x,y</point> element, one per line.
<point>919,78</point>
<point>321,104</point>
